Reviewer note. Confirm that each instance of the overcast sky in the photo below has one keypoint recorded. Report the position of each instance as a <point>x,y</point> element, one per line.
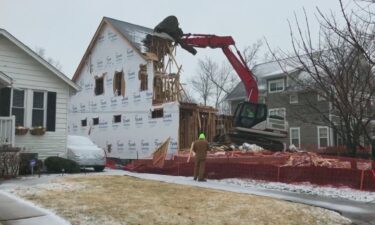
<point>64,28</point>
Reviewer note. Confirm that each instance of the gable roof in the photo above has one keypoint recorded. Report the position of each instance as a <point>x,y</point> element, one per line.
<point>263,72</point>
<point>132,33</point>
<point>35,56</point>
<point>5,78</point>
<point>238,93</point>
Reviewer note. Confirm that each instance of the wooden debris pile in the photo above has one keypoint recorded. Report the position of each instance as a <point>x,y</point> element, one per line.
<point>306,159</point>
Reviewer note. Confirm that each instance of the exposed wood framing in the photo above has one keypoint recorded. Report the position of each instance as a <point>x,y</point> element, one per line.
<point>195,119</point>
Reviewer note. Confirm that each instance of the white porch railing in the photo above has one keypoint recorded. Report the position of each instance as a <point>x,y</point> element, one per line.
<point>7,131</point>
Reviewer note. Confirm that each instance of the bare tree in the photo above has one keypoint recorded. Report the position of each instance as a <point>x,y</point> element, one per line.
<point>359,26</point>
<point>214,82</point>
<point>41,52</point>
<point>251,53</point>
<point>340,71</point>
<point>220,81</point>
<point>201,82</point>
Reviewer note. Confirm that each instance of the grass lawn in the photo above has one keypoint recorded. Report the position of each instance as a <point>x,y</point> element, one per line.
<point>109,200</point>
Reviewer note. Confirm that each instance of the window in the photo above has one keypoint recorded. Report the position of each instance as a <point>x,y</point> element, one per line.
<point>95,120</point>
<point>323,140</point>
<point>18,106</point>
<point>276,85</point>
<point>277,113</point>
<point>99,86</point>
<point>295,137</point>
<point>142,76</point>
<point>293,98</point>
<point>157,113</point>
<point>119,84</point>
<point>39,108</point>
<point>320,97</point>
<point>84,123</point>
<point>117,118</point>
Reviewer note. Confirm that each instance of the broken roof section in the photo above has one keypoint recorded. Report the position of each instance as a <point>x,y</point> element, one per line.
<point>133,33</point>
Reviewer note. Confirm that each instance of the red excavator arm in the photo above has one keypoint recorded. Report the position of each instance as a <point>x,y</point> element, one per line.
<point>238,63</point>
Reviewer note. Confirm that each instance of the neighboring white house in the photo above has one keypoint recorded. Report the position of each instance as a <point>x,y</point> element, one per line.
<point>117,105</point>
<point>37,94</point>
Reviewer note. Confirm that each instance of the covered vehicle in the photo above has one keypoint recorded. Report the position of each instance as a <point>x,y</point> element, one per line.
<point>87,154</point>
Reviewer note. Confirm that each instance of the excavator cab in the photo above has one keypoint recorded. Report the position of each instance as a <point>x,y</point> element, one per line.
<point>249,114</point>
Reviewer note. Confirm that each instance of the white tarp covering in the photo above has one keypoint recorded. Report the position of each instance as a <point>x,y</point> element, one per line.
<point>84,152</point>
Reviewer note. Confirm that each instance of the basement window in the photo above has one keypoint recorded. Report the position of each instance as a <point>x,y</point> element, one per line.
<point>119,84</point>
<point>143,77</point>
<point>99,86</point>
<point>157,113</point>
<point>95,120</point>
<point>117,118</point>
<point>84,123</point>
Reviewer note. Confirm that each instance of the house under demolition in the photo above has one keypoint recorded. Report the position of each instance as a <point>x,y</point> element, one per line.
<point>130,101</point>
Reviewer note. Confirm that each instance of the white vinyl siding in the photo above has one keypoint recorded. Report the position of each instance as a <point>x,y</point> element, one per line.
<point>28,75</point>
<point>276,85</point>
<point>280,112</point>
<point>323,136</point>
<point>295,136</point>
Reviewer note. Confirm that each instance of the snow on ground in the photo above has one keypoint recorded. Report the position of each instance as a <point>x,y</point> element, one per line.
<point>304,188</point>
<point>47,212</point>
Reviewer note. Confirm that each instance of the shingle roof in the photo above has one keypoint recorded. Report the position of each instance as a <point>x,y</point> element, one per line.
<point>263,72</point>
<point>134,33</point>
<point>238,93</point>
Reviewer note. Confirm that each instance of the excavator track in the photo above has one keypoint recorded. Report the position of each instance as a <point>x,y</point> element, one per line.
<point>239,138</point>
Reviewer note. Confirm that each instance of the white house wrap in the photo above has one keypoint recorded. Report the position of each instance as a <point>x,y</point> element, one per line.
<point>115,111</point>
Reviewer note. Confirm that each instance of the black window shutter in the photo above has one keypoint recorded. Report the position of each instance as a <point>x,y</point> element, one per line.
<point>51,111</point>
<point>5,101</point>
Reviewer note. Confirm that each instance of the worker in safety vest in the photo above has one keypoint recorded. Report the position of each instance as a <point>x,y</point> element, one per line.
<point>200,148</point>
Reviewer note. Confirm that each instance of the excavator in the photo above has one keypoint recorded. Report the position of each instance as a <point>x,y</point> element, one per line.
<point>251,122</point>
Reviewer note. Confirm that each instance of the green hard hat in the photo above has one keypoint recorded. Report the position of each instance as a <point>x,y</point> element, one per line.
<point>202,136</point>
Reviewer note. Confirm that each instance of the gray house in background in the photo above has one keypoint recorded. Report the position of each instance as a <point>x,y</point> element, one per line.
<point>307,129</point>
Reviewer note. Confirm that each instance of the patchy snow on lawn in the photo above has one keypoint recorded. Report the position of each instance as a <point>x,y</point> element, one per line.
<point>304,188</point>
<point>51,186</point>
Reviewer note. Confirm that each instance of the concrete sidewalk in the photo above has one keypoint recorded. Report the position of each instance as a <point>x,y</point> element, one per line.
<point>15,211</point>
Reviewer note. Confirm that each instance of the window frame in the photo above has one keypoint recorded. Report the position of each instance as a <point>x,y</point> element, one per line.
<point>117,116</point>
<point>96,86</point>
<point>318,129</point>
<point>44,107</point>
<point>276,81</point>
<point>94,119</point>
<point>157,113</point>
<point>118,78</point>
<point>299,136</point>
<point>277,109</point>
<point>290,98</point>
<point>320,97</point>
<point>84,123</point>
<point>24,104</point>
